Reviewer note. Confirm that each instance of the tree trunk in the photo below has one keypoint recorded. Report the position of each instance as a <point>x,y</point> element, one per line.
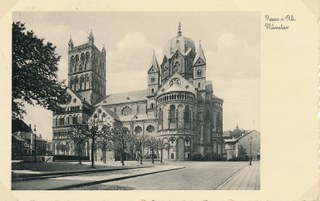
<point>104,155</point>
<point>141,156</point>
<point>92,153</point>
<point>152,156</point>
<point>161,154</point>
<point>79,154</point>
<point>121,157</point>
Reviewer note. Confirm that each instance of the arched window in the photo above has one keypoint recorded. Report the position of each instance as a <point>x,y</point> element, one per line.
<point>126,111</point>
<point>199,73</point>
<point>87,82</point>
<point>95,118</point>
<point>76,83</point>
<point>152,79</point>
<point>103,116</point>
<point>74,120</point>
<point>71,63</point>
<point>138,129</point>
<point>70,120</point>
<point>82,83</point>
<point>218,119</point>
<point>187,114</point>
<point>87,56</point>
<point>151,106</point>
<point>150,128</point>
<point>172,114</point>
<point>160,116</point>
<point>152,90</point>
<point>207,117</point>
<point>187,141</point>
<point>199,85</point>
<point>74,67</point>
<point>82,56</point>
<point>176,67</point>
<point>61,121</point>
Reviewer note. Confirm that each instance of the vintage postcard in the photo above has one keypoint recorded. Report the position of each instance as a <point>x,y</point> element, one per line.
<point>159,100</point>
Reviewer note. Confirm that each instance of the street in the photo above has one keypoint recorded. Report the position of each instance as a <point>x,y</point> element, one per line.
<point>196,176</point>
<point>168,176</point>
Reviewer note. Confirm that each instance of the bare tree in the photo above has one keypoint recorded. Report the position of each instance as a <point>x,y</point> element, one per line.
<point>79,135</point>
<point>121,138</point>
<point>152,145</point>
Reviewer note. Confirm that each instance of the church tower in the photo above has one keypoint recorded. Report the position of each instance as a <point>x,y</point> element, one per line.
<point>153,76</point>
<point>199,69</point>
<point>87,70</point>
<point>153,85</point>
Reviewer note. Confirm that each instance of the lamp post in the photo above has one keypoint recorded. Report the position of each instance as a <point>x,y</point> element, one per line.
<point>131,121</point>
<point>35,143</point>
<point>250,157</point>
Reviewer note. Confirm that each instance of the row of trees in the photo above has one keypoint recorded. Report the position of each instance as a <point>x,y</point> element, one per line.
<point>116,138</point>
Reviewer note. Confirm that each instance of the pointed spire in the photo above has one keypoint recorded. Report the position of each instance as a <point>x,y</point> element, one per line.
<point>179,29</point>
<point>70,40</point>
<point>154,61</point>
<point>91,38</point>
<point>103,49</point>
<point>199,54</point>
<point>70,43</point>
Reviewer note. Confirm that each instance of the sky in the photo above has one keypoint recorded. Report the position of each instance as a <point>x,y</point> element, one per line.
<point>230,40</point>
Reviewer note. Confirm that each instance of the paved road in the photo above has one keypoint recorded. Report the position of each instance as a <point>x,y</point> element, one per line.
<point>196,176</point>
<point>192,176</point>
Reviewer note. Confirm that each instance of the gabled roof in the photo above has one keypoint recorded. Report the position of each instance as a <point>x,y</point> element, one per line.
<point>247,133</point>
<point>175,51</point>
<point>200,54</point>
<point>20,125</point>
<point>124,97</point>
<point>185,85</point>
<point>111,113</point>
<point>77,95</point>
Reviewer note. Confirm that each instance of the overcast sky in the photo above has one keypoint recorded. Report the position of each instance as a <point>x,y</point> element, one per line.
<point>230,40</point>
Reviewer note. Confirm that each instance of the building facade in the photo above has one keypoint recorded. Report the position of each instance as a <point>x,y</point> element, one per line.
<point>178,105</point>
<point>244,146</point>
<point>26,144</point>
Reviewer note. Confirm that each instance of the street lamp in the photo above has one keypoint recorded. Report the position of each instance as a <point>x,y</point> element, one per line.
<point>135,117</point>
<point>250,142</point>
<point>35,143</point>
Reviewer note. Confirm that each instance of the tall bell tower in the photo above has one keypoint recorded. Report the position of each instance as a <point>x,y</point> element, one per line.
<point>199,69</point>
<point>87,70</point>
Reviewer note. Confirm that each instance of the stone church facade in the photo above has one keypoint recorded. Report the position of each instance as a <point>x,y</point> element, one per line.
<point>178,106</point>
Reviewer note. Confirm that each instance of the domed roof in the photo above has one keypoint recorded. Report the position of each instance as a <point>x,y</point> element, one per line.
<point>183,44</point>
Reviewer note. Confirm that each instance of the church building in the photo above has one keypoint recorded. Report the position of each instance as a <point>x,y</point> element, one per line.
<point>178,105</point>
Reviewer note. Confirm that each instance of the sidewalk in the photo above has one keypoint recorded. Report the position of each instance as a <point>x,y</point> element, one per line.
<point>67,182</point>
<point>247,178</point>
<point>23,171</point>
